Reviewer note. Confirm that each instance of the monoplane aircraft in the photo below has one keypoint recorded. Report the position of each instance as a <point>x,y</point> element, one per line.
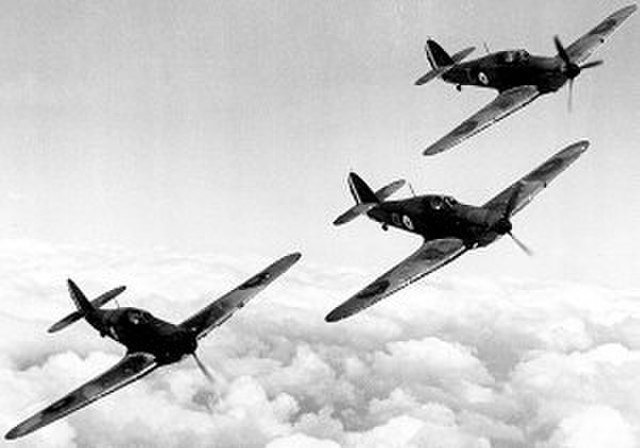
<point>150,342</point>
<point>448,227</point>
<point>518,76</point>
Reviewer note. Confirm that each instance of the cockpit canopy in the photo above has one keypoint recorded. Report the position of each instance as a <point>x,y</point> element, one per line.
<point>438,202</point>
<point>513,57</point>
<point>137,317</point>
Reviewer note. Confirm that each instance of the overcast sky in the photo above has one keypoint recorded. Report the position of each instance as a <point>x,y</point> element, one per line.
<point>179,146</point>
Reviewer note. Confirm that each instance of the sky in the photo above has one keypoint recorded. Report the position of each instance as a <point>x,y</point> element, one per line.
<point>179,146</point>
<point>231,126</point>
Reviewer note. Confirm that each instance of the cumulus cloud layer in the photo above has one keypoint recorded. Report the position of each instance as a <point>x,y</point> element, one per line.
<point>449,362</point>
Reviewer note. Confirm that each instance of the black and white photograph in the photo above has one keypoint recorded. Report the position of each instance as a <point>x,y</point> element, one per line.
<point>322,224</point>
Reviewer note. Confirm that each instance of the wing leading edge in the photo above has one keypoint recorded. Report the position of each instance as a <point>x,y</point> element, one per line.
<point>538,179</point>
<point>131,368</point>
<point>430,256</point>
<point>503,105</point>
<point>222,309</point>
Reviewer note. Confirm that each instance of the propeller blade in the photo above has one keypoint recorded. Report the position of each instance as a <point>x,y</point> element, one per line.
<point>570,98</point>
<point>561,51</point>
<point>521,245</point>
<point>204,369</point>
<point>592,64</point>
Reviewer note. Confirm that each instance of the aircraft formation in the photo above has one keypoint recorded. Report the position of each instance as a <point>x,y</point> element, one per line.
<point>448,228</point>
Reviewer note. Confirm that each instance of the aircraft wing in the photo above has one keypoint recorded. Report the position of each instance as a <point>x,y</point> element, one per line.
<point>580,50</point>
<point>131,368</point>
<point>222,309</point>
<point>534,182</point>
<point>430,256</point>
<point>504,104</point>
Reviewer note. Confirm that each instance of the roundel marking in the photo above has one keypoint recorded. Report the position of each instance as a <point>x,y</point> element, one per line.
<point>465,128</point>
<point>504,102</point>
<point>483,78</point>
<point>604,27</point>
<point>547,168</point>
<point>407,222</point>
<point>255,281</point>
<point>376,288</point>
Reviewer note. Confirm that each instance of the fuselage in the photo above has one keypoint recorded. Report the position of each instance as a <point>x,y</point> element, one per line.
<point>507,69</point>
<point>437,216</point>
<point>139,330</point>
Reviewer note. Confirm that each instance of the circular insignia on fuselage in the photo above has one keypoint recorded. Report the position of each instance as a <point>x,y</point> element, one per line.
<point>483,78</point>
<point>373,289</point>
<point>255,281</point>
<point>407,222</point>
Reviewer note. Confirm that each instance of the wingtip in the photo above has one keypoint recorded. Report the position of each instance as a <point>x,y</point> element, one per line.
<point>579,146</point>
<point>337,314</point>
<point>290,259</point>
<point>332,317</point>
<point>431,151</point>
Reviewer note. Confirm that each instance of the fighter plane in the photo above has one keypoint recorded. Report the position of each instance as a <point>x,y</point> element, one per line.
<point>150,342</point>
<point>518,76</point>
<point>448,227</point>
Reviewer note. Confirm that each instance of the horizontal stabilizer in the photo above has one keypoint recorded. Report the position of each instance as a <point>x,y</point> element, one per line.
<point>354,212</point>
<point>77,315</point>
<point>432,49</point>
<point>388,190</point>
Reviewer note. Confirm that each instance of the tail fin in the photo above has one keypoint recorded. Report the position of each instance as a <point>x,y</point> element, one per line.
<point>436,55</point>
<point>440,60</point>
<point>77,315</point>
<point>78,297</point>
<point>360,191</point>
<point>365,198</point>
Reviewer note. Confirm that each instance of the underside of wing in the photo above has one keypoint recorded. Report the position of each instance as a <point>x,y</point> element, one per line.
<point>131,368</point>
<point>504,104</point>
<point>429,257</point>
<point>222,309</point>
<point>534,182</point>
<point>580,50</point>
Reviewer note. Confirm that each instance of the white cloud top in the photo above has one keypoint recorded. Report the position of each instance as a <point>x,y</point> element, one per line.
<point>454,362</point>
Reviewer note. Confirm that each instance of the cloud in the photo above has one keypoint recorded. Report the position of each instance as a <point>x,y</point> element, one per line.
<point>450,362</point>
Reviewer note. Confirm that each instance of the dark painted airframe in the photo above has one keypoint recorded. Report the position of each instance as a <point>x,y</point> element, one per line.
<point>448,227</point>
<point>518,76</point>
<point>150,342</point>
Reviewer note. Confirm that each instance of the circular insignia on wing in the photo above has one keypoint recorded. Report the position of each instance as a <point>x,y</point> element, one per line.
<point>547,168</point>
<point>255,281</point>
<point>604,27</point>
<point>465,128</point>
<point>503,102</point>
<point>433,253</point>
<point>373,289</point>
<point>483,78</point>
<point>407,222</point>
<point>60,404</point>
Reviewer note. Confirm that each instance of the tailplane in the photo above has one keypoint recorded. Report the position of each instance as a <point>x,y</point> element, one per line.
<point>84,306</point>
<point>440,61</point>
<point>365,198</point>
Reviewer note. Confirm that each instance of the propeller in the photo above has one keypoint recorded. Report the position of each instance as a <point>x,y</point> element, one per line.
<point>412,191</point>
<point>203,369</point>
<point>570,69</point>
<point>504,225</point>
